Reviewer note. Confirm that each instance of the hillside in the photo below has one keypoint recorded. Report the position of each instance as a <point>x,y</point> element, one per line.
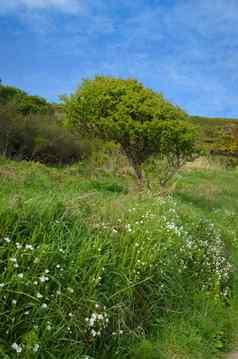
<point>92,268</point>
<point>219,136</point>
<point>95,264</point>
<point>32,129</point>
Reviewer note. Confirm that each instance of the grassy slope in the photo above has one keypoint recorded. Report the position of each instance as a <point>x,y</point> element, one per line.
<point>214,120</point>
<point>218,135</point>
<point>196,328</point>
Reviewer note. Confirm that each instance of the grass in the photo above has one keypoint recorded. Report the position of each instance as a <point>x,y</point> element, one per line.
<point>90,268</point>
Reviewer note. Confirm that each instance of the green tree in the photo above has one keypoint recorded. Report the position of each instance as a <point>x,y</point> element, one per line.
<point>33,104</point>
<point>24,103</point>
<point>10,94</point>
<point>137,118</point>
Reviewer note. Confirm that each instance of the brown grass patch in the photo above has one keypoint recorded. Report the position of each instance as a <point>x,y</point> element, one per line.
<point>7,173</point>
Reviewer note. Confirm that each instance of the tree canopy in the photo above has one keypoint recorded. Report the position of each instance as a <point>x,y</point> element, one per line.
<point>9,94</point>
<point>22,102</point>
<point>141,120</point>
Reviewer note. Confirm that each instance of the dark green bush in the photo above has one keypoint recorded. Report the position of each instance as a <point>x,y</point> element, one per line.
<point>37,137</point>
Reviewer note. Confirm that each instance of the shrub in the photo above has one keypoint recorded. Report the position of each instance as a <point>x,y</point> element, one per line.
<point>137,118</point>
<point>8,94</point>
<point>39,138</point>
<point>22,102</point>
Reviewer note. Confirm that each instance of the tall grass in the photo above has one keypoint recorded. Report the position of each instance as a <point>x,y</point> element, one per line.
<point>90,269</point>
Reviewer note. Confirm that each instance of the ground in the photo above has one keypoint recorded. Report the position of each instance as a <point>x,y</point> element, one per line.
<point>104,224</point>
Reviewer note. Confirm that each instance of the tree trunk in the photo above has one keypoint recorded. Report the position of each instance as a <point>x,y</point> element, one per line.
<point>137,167</point>
<point>140,175</point>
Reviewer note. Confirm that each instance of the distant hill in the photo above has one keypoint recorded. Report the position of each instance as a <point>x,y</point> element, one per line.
<point>219,136</point>
<point>220,121</point>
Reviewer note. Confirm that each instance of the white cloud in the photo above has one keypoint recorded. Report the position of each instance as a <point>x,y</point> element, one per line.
<point>69,6</point>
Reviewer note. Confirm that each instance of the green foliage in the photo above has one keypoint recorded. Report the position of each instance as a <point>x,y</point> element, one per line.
<point>203,333</point>
<point>22,102</point>
<point>32,104</point>
<point>137,118</point>
<point>218,136</point>
<point>132,276</point>
<point>146,350</point>
<point>37,137</point>
<point>9,94</point>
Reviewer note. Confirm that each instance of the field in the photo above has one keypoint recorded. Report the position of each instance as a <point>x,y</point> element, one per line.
<point>90,268</point>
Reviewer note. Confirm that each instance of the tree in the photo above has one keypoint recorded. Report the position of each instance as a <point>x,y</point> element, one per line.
<point>137,118</point>
<point>24,103</point>
<point>10,94</point>
<point>33,104</point>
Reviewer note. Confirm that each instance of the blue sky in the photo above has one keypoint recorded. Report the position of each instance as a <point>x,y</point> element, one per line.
<point>186,49</point>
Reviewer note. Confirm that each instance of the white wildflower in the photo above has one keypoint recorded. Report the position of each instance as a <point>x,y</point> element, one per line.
<point>43,279</point>
<point>16,347</point>
<point>93,332</point>
<point>7,239</point>
<point>14,302</point>
<point>20,275</point>
<point>29,246</point>
<point>36,348</point>
<point>44,306</point>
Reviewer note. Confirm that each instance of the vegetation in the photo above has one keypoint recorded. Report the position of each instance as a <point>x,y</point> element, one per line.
<point>140,120</point>
<point>92,269</point>
<point>31,129</point>
<point>218,136</point>
<point>22,102</point>
<point>37,137</point>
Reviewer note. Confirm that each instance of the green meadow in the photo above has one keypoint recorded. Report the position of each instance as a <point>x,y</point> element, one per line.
<point>93,268</point>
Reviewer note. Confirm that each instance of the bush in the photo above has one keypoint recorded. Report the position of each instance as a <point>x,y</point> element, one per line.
<point>8,94</point>
<point>39,138</point>
<point>22,102</point>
